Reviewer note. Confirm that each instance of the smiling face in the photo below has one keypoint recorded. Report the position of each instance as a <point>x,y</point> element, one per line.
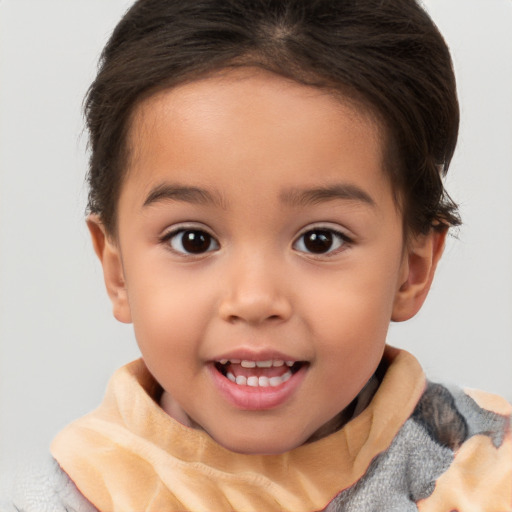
<point>259,255</point>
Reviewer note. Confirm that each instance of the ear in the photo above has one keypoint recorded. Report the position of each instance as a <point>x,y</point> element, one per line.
<point>108,253</point>
<point>422,255</point>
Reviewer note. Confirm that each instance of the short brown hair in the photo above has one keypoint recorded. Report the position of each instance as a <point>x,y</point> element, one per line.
<point>387,53</point>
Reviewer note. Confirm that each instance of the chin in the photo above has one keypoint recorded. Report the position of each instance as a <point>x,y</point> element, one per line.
<point>259,446</point>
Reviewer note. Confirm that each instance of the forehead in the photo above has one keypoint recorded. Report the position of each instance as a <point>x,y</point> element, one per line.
<point>248,121</point>
<point>239,94</point>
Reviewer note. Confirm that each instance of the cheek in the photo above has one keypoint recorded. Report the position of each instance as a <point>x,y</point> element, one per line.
<point>168,334</point>
<point>350,315</point>
<point>169,310</point>
<point>356,301</point>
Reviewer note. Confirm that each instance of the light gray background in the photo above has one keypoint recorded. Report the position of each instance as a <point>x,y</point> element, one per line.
<point>58,341</point>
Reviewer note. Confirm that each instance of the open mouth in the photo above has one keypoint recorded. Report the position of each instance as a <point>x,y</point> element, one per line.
<point>270,373</point>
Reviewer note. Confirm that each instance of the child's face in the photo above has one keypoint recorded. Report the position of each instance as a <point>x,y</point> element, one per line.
<point>256,224</point>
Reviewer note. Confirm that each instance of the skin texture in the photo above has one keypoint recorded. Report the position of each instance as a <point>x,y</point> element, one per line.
<point>255,144</point>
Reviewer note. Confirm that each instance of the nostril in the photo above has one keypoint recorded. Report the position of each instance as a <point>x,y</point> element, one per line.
<point>232,319</point>
<point>256,319</point>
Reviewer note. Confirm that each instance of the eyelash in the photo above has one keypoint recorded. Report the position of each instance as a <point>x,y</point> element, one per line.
<point>330,236</point>
<point>171,236</point>
<point>342,239</point>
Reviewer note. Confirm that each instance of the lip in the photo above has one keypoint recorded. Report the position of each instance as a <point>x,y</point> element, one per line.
<point>254,355</point>
<point>257,398</point>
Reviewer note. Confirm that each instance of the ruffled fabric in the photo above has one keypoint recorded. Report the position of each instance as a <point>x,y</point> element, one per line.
<point>130,455</point>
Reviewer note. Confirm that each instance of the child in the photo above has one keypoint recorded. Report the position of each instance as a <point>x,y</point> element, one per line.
<point>265,197</point>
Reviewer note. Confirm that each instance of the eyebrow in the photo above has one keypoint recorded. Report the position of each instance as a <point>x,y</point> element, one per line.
<point>311,196</point>
<point>189,194</point>
<point>294,197</point>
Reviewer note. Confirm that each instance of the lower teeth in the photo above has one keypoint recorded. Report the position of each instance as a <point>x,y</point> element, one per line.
<point>262,381</point>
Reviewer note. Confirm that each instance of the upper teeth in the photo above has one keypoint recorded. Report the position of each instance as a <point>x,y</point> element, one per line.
<point>245,363</point>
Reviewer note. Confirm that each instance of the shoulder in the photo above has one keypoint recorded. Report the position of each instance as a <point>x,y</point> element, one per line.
<point>41,487</point>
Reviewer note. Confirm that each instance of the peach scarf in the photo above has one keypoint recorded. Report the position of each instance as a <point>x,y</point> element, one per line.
<point>129,455</point>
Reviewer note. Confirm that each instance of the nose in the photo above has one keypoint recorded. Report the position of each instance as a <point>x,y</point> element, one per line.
<point>255,293</point>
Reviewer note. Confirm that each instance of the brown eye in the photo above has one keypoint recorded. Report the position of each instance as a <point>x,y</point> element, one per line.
<point>192,241</point>
<point>320,241</point>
